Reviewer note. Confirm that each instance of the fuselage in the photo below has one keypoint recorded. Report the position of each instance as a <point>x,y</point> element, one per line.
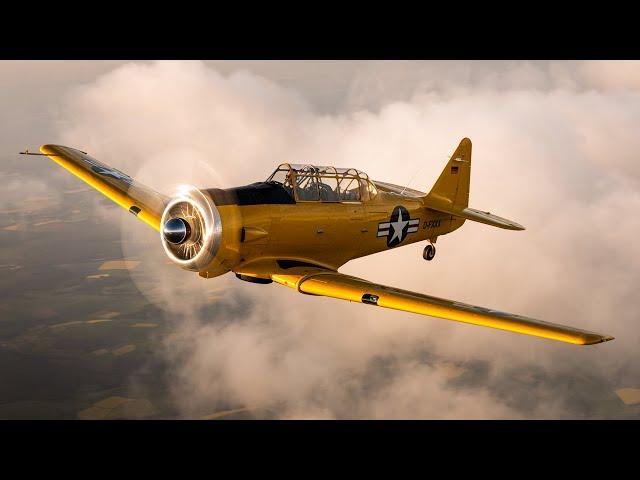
<point>261,221</point>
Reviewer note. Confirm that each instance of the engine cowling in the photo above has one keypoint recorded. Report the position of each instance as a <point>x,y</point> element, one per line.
<point>191,230</point>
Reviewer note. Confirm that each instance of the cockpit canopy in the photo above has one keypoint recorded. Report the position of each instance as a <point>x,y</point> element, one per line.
<point>309,183</point>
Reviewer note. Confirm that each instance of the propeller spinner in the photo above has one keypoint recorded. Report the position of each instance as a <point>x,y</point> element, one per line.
<point>176,230</point>
<point>191,230</point>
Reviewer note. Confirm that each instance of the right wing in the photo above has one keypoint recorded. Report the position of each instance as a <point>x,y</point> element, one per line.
<point>140,200</point>
<point>319,281</point>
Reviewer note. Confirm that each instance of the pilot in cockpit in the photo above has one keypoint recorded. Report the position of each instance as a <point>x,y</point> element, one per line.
<point>327,193</point>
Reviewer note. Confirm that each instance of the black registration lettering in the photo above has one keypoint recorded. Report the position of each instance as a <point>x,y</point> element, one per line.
<point>431,224</point>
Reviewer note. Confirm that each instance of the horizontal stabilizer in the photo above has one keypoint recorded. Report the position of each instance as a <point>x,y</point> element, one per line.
<point>482,217</point>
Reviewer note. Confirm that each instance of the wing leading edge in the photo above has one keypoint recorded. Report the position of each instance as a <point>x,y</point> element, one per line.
<point>317,281</point>
<point>140,200</point>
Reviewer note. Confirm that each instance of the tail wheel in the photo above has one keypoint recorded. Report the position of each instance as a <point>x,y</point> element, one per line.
<point>429,252</point>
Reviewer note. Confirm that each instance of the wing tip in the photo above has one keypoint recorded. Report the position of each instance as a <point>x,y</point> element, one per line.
<point>50,147</point>
<point>516,226</point>
<point>595,339</point>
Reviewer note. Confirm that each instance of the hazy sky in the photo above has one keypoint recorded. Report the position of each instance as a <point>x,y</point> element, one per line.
<point>555,149</point>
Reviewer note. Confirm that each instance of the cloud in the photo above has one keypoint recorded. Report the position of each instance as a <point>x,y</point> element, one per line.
<point>554,149</point>
<point>17,190</point>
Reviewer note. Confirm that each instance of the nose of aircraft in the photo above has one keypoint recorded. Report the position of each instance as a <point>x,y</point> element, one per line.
<point>176,230</point>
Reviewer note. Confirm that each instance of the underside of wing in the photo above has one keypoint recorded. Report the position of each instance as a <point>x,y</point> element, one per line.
<point>140,200</point>
<point>314,280</point>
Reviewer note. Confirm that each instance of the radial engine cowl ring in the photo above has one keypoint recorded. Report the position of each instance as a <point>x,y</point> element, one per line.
<point>190,229</point>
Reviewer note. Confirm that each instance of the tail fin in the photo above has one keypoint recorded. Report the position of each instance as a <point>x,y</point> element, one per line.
<point>452,187</point>
<point>450,194</point>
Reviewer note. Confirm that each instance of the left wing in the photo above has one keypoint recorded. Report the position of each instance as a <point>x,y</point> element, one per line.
<point>140,200</point>
<point>319,281</point>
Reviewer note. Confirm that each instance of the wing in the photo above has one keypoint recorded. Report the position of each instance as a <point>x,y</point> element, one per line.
<point>319,281</point>
<point>140,200</point>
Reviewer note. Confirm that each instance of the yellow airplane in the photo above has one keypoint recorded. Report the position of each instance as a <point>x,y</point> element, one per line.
<point>304,222</point>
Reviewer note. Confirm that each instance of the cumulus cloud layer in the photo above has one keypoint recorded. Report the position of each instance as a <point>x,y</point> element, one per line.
<point>554,149</point>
